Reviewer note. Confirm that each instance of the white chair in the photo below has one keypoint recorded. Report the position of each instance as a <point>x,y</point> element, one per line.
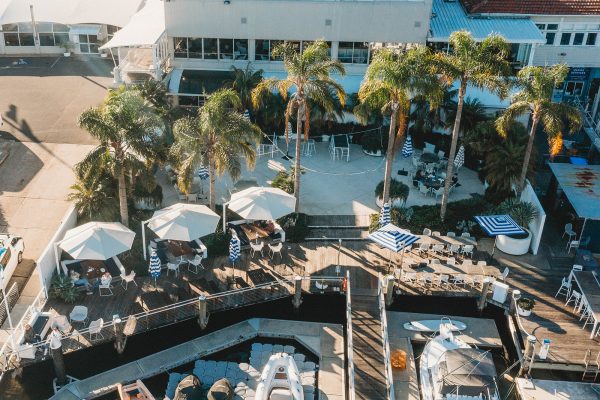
<point>195,263</point>
<point>171,266</point>
<point>79,314</point>
<point>444,280</point>
<point>105,285</point>
<point>504,274</point>
<point>569,231</point>
<point>427,232</point>
<point>451,234</point>
<point>574,297</point>
<point>275,249</point>
<point>451,261</point>
<point>126,279</point>
<point>467,249</point>
<point>436,234</point>
<point>577,268</point>
<point>409,277</point>
<point>478,280</point>
<point>441,154</point>
<point>192,198</point>
<point>423,248</point>
<point>423,189</point>
<point>564,286</point>
<point>256,248</point>
<point>438,248</point>
<point>458,279</point>
<point>454,249</point>
<point>465,235</point>
<point>308,147</point>
<point>573,244</point>
<point>96,329</point>
<point>439,192</point>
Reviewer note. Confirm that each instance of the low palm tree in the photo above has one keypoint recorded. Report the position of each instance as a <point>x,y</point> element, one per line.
<point>244,81</point>
<point>482,64</point>
<point>473,113</point>
<point>218,136</point>
<point>390,83</point>
<point>309,79</point>
<point>537,85</point>
<point>126,127</point>
<point>94,196</point>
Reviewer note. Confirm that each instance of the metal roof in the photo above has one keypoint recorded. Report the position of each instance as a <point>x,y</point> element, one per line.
<point>581,185</point>
<point>450,16</point>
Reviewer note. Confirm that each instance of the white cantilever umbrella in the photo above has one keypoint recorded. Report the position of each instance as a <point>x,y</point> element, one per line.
<point>262,203</point>
<point>97,240</point>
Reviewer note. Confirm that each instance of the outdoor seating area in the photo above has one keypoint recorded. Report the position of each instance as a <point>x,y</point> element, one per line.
<point>255,232</point>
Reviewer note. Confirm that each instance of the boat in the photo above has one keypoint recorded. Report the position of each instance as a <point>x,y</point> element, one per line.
<point>452,370</point>
<point>280,380</point>
<point>136,390</point>
<point>432,325</point>
<point>220,390</point>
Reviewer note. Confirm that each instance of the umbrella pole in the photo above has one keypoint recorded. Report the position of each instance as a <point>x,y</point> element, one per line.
<point>402,257</point>
<point>494,247</point>
<point>582,229</point>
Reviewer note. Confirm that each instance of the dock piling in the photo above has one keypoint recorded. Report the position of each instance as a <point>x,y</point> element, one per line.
<point>389,291</point>
<point>297,300</point>
<point>202,312</point>
<point>485,287</point>
<point>528,356</point>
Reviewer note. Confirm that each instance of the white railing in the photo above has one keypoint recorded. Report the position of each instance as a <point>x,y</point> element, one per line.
<point>349,340</point>
<point>386,344</point>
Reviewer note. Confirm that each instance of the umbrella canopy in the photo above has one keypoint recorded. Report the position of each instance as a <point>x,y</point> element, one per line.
<point>407,149</point>
<point>385,215</point>
<point>459,160</point>
<point>97,240</point>
<point>262,203</point>
<point>184,222</point>
<point>154,268</point>
<point>495,225</point>
<point>203,173</point>
<point>393,238</point>
<point>234,249</point>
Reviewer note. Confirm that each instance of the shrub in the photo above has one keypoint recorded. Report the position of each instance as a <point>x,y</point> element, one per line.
<point>526,303</point>
<point>523,212</point>
<point>399,216</point>
<point>62,288</point>
<point>295,226</point>
<point>398,190</point>
<point>217,243</point>
<point>373,141</point>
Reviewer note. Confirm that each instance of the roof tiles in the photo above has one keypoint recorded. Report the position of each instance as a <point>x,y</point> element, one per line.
<point>545,7</point>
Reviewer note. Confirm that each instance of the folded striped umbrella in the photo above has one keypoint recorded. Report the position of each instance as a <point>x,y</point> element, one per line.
<point>393,238</point>
<point>234,249</point>
<point>459,160</point>
<point>203,172</point>
<point>495,225</point>
<point>247,114</point>
<point>407,149</point>
<point>385,215</point>
<point>155,264</point>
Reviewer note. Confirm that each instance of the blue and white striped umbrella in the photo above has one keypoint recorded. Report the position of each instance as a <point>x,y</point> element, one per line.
<point>203,172</point>
<point>154,268</point>
<point>459,160</point>
<point>234,249</point>
<point>385,216</point>
<point>495,225</point>
<point>407,149</point>
<point>393,238</point>
<point>247,114</point>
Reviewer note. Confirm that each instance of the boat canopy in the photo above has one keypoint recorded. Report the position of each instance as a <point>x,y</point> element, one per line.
<point>467,371</point>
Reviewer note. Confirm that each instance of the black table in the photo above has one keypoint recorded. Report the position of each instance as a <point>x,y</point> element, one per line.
<point>586,260</point>
<point>429,158</point>
<point>434,182</point>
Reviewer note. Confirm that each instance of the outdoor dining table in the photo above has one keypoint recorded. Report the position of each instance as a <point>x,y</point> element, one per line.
<point>178,248</point>
<point>586,260</point>
<point>253,232</point>
<point>589,284</point>
<point>434,182</point>
<point>447,269</point>
<point>446,240</point>
<point>93,269</point>
<point>429,158</point>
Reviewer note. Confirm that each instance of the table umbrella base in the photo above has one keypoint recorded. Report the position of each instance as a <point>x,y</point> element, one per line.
<point>287,157</point>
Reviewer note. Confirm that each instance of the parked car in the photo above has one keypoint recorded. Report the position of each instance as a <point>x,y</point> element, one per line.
<point>11,254</point>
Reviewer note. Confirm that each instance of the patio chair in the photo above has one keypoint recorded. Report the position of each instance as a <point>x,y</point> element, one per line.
<point>574,297</point>
<point>125,279</point>
<point>106,286</point>
<point>451,261</point>
<point>569,231</point>
<point>478,280</point>
<point>96,329</point>
<point>436,234</point>
<point>465,235</point>
<point>441,154</point>
<point>427,232</point>
<point>467,249</point>
<point>458,279</point>
<point>257,248</point>
<point>577,268</point>
<point>438,248</point>
<point>504,274</point>
<point>195,263</point>
<point>308,147</point>
<point>444,280</point>
<point>424,189</point>
<point>275,249</point>
<point>451,234</point>
<point>171,266</point>
<point>79,314</point>
<point>423,248</point>
<point>439,192</point>
<point>564,286</point>
<point>454,249</point>
<point>573,244</point>
<point>429,148</point>
<point>409,277</point>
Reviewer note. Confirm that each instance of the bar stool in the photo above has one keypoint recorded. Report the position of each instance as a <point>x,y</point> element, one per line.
<point>308,147</point>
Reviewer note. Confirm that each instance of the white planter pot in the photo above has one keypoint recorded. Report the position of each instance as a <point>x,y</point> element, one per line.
<point>398,203</point>
<point>67,54</point>
<point>103,55</point>
<point>375,154</point>
<point>523,313</point>
<point>515,247</point>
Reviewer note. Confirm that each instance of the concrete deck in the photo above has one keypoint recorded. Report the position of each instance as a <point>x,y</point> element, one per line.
<point>538,389</point>
<point>324,340</point>
<point>480,332</point>
<point>406,384</point>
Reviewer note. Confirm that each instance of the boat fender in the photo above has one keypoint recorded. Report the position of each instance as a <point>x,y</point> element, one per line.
<point>344,284</point>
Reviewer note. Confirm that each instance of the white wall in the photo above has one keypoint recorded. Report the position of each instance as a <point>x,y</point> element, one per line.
<point>574,56</point>
<point>537,226</point>
<point>373,21</point>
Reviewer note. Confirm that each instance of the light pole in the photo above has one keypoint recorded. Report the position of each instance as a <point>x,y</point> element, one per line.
<point>10,324</point>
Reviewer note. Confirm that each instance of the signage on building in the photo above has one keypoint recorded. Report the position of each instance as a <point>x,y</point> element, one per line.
<point>557,95</point>
<point>578,74</point>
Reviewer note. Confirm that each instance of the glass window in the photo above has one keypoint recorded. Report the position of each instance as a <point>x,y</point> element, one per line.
<point>84,47</point>
<point>181,47</point>
<point>94,47</point>
<point>550,37</point>
<point>211,49</point>
<point>195,47</point>
<point>261,50</point>
<point>25,27</point>
<point>60,38</point>
<point>345,52</point>
<point>565,39</point>
<point>541,26</point>
<point>591,39</point>
<point>44,27</point>
<point>10,28</point>
<point>92,39</point>
<point>111,29</point>
<point>295,45</point>
<point>240,49</point>
<point>361,53</point>
<point>573,88</point>
<point>26,39</point>
<point>60,28</point>
<point>11,39</point>
<point>552,27</point>
<point>46,39</point>
<point>225,49</point>
<point>83,39</point>
<point>578,39</point>
<point>275,43</point>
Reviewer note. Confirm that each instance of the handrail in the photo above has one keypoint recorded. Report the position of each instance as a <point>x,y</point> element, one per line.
<point>349,340</point>
<point>386,344</point>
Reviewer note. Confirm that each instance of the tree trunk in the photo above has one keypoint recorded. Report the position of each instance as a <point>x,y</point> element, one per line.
<point>535,119</point>
<point>297,161</point>
<point>389,155</point>
<point>123,199</point>
<point>455,132</point>
<point>212,178</point>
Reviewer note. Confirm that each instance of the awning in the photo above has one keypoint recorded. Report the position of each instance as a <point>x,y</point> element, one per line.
<point>84,29</point>
<point>197,82</point>
<point>448,17</point>
<point>144,28</point>
<point>581,185</point>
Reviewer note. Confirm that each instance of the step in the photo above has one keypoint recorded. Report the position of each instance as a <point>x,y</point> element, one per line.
<point>337,233</point>
<point>339,220</point>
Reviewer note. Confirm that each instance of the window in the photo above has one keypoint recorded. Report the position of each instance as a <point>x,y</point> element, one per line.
<point>295,45</point>
<point>550,37</point>
<point>240,49</point>
<point>225,49</point>
<point>565,39</point>
<point>261,50</point>
<point>195,47</point>
<point>181,47</point>
<point>46,39</point>
<point>211,49</point>
<point>541,27</point>
<point>578,39</point>
<point>552,27</point>
<point>573,88</point>
<point>591,39</point>
<point>274,44</point>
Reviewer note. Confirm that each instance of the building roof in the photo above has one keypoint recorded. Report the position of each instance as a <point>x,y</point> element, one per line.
<point>144,28</point>
<point>448,17</point>
<point>581,185</point>
<point>528,7</point>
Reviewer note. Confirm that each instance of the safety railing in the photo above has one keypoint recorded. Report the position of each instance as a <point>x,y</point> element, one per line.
<point>349,340</point>
<point>386,344</point>
<point>12,295</point>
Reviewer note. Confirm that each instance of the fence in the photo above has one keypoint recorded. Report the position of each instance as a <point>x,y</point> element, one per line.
<point>386,344</point>
<point>101,331</point>
<point>12,295</point>
<point>349,340</point>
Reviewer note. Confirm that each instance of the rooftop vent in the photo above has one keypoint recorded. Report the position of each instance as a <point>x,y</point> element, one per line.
<point>327,22</point>
<point>244,20</point>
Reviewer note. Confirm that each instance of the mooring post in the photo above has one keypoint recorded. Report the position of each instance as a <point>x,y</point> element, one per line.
<point>528,355</point>
<point>55,343</point>
<point>202,312</point>
<point>120,338</point>
<point>516,295</point>
<point>389,291</point>
<point>297,300</point>
<point>485,287</point>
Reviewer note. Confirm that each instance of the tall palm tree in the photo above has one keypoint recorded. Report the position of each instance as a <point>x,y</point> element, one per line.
<point>309,77</point>
<point>537,84</point>
<point>390,83</point>
<point>482,64</point>
<point>126,127</point>
<point>218,136</point>
<point>244,81</point>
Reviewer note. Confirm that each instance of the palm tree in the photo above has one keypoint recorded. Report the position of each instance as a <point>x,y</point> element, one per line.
<point>217,136</point>
<point>537,84</point>
<point>309,77</point>
<point>473,113</point>
<point>126,127</point>
<point>244,81</point>
<point>94,196</point>
<point>482,64</point>
<point>390,82</point>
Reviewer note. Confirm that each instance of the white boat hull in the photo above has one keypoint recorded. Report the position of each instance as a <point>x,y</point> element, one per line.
<point>280,380</point>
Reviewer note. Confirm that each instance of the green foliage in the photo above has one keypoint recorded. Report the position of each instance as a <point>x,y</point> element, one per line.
<point>285,180</point>
<point>217,243</point>
<point>473,113</point>
<point>398,190</point>
<point>523,212</point>
<point>374,141</point>
<point>95,196</point>
<point>399,217</point>
<point>244,81</point>
<point>62,288</point>
<point>526,303</point>
<point>295,226</point>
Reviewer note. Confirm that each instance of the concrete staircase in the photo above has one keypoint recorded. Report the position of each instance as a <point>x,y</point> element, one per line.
<point>334,227</point>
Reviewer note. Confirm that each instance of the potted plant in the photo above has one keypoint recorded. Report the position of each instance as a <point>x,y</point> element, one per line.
<point>373,144</point>
<point>525,305</point>
<point>398,193</point>
<point>67,46</point>
<point>523,213</point>
<point>62,288</point>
